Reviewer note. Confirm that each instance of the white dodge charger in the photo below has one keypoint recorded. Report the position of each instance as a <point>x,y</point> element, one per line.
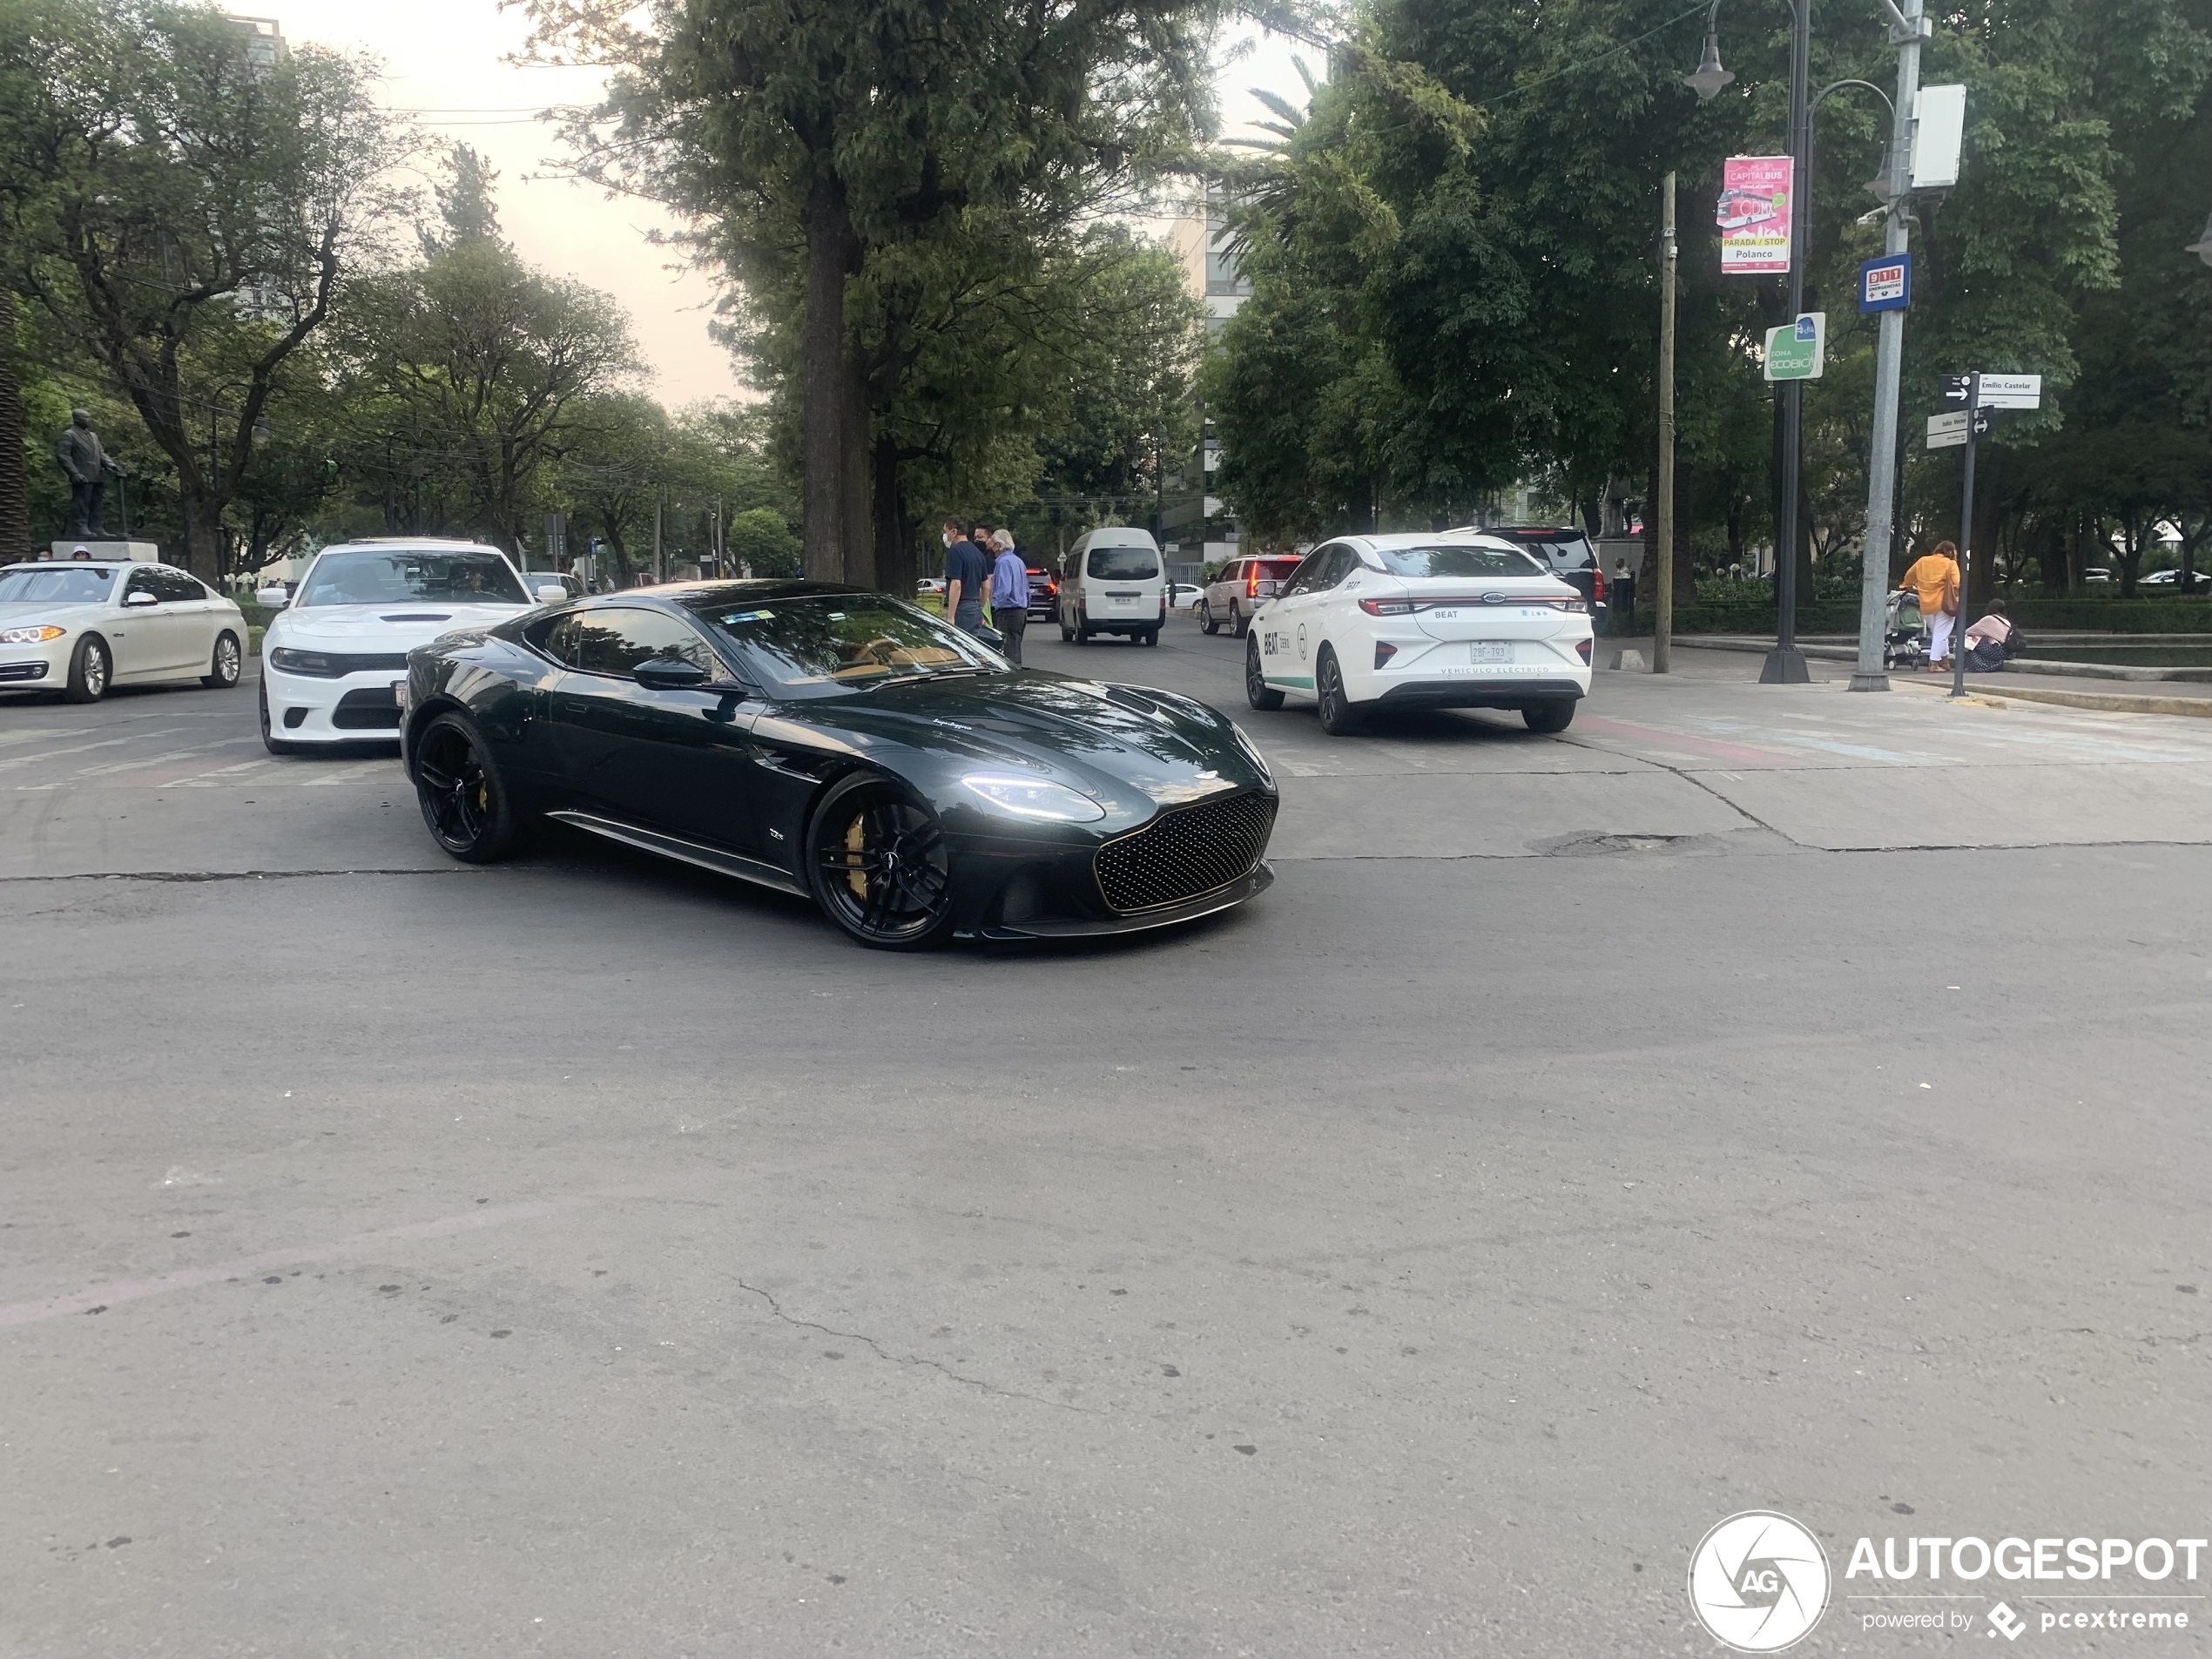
<point>1451,619</point>
<point>334,662</point>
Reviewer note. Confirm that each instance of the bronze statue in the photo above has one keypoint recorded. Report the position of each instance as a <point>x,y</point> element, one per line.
<point>86,465</point>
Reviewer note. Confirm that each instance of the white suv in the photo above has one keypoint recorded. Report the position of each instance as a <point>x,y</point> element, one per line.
<point>1242,587</point>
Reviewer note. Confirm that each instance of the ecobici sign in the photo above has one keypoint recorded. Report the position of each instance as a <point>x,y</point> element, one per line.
<point>1759,1583</point>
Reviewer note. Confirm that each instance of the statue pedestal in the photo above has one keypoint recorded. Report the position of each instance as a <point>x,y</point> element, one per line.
<point>142,552</point>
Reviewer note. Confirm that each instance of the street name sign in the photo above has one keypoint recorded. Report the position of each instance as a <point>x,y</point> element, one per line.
<point>1885,284</point>
<point>1798,351</point>
<point>1949,431</point>
<point>1998,391</point>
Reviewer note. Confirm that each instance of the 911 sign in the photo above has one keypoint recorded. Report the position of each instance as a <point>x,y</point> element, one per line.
<point>1885,284</point>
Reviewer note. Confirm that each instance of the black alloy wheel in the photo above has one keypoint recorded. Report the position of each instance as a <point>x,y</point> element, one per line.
<point>1554,715</point>
<point>90,671</point>
<point>1206,623</point>
<point>1258,691</point>
<point>1339,718</point>
<point>876,860</point>
<point>228,664</point>
<point>464,800</point>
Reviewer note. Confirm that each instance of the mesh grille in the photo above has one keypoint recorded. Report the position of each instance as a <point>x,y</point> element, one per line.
<point>1185,853</point>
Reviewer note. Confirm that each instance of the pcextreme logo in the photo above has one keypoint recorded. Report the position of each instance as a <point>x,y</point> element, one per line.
<point>1758,1581</point>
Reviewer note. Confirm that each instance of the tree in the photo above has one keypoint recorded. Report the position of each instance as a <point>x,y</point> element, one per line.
<point>466,204</point>
<point>867,164</point>
<point>197,218</point>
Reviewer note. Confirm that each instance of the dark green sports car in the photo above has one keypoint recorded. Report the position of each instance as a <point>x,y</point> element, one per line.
<point>844,746</point>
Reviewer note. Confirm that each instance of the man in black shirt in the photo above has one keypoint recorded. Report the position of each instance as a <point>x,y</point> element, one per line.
<point>968,577</point>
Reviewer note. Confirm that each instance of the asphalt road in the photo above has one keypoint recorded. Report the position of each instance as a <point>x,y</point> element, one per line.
<point>1756,1097</point>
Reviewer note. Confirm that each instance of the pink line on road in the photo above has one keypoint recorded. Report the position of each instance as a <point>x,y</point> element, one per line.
<point>1687,745</point>
<point>107,1296</point>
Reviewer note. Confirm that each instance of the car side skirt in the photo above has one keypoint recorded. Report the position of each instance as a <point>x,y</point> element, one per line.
<point>686,851</point>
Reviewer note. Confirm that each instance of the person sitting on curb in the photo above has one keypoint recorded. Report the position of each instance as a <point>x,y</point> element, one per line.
<point>1934,576</point>
<point>1992,641</point>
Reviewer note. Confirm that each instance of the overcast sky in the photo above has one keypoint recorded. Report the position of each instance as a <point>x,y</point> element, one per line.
<point>444,62</point>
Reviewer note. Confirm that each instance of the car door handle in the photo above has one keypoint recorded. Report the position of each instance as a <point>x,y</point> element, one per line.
<point>569,705</point>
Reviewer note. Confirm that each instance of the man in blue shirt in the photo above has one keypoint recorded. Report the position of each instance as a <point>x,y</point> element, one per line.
<point>1011,596</point>
<point>966,574</point>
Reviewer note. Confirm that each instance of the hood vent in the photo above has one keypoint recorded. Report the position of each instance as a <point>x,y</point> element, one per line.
<point>417,616</point>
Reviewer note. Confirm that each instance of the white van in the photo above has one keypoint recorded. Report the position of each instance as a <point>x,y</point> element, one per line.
<point>1112,581</point>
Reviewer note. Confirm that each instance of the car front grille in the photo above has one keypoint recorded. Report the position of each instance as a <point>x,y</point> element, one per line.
<point>366,711</point>
<point>1185,853</point>
<point>337,664</point>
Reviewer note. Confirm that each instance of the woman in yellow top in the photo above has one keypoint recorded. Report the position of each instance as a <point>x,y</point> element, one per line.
<point>1934,576</point>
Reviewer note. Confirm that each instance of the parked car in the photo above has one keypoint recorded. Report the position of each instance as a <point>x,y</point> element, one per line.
<point>1242,586</point>
<point>930,584</point>
<point>334,661</point>
<point>1567,553</point>
<point>843,745</point>
<point>1111,582</point>
<point>1045,594</point>
<point>538,581</point>
<point>2199,580</point>
<point>79,629</point>
<point>1458,619</point>
<point>1183,595</point>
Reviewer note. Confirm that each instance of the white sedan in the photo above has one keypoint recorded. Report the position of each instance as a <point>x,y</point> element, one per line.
<point>334,662</point>
<point>1449,620</point>
<point>79,628</point>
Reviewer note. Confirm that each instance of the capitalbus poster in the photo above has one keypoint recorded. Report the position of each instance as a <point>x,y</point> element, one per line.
<point>1753,215</point>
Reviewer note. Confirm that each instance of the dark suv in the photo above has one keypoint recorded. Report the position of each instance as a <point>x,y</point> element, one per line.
<point>1566,553</point>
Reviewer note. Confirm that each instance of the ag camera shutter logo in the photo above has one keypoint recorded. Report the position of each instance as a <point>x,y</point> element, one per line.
<point>1758,1581</point>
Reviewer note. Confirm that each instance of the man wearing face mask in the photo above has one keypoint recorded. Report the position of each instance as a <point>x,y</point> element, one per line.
<point>968,573</point>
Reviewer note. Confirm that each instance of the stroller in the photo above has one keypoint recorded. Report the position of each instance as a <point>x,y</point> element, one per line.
<point>1904,634</point>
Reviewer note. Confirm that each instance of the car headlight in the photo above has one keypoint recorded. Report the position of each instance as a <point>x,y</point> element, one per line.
<point>1033,798</point>
<point>302,662</point>
<point>37,636</point>
<point>1251,752</point>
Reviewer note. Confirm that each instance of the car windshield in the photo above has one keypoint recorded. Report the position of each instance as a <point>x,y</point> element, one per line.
<point>1124,563</point>
<point>817,645</point>
<point>398,576</point>
<point>57,584</point>
<point>1462,560</point>
<point>1566,550</point>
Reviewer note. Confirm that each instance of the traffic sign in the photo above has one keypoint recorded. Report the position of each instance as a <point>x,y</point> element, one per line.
<point>1885,284</point>
<point>1949,431</point>
<point>1998,391</point>
<point>1798,351</point>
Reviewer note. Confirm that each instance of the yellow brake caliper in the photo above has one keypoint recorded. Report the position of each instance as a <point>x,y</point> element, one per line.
<point>857,878</point>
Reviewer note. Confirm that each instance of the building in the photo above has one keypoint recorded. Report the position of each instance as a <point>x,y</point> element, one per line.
<point>1195,528</point>
<point>264,43</point>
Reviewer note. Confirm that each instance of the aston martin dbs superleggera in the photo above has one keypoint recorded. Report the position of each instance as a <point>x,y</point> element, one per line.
<point>844,746</point>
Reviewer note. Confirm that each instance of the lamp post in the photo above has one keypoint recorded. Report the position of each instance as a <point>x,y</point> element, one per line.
<point>1785,664</point>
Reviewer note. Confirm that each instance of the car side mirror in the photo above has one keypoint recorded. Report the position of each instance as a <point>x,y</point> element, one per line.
<point>272,599</point>
<point>551,593</point>
<point>140,598</point>
<point>670,674</point>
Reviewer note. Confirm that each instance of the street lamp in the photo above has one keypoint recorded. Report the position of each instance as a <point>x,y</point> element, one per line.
<point>1785,664</point>
<point>2203,246</point>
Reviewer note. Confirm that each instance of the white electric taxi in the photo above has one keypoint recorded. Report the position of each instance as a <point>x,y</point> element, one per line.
<point>334,662</point>
<point>1452,619</point>
<point>79,628</point>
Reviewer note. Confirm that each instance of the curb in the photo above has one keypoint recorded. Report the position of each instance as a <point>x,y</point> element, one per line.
<point>2109,701</point>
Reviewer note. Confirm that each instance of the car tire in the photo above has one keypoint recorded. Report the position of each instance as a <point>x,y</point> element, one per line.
<point>877,865</point>
<point>1238,628</point>
<point>91,671</point>
<point>1258,691</point>
<point>1206,622</point>
<point>1340,717</point>
<point>466,803</point>
<point>1556,715</point>
<point>227,666</point>
<point>1148,637</point>
<point>270,741</point>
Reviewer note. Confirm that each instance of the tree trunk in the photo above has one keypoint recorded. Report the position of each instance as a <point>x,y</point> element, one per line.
<point>824,380</point>
<point>1685,566</point>
<point>1989,485</point>
<point>894,541</point>
<point>15,482</point>
<point>856,478</point>
<point>204,532</point>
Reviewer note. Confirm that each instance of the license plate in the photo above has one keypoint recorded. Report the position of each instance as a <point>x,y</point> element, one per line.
<point>1490,651</point>
<point>399,693</point>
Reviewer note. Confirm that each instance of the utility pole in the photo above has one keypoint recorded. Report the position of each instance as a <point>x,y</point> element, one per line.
<point>1662,602</point>
<point>660,496</point>
<point>1965,541</point>
<point>1909,29</point>
<point>1785,664</point>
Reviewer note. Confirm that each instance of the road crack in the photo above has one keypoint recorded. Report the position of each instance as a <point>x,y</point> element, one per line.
<point>882,1353</point>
